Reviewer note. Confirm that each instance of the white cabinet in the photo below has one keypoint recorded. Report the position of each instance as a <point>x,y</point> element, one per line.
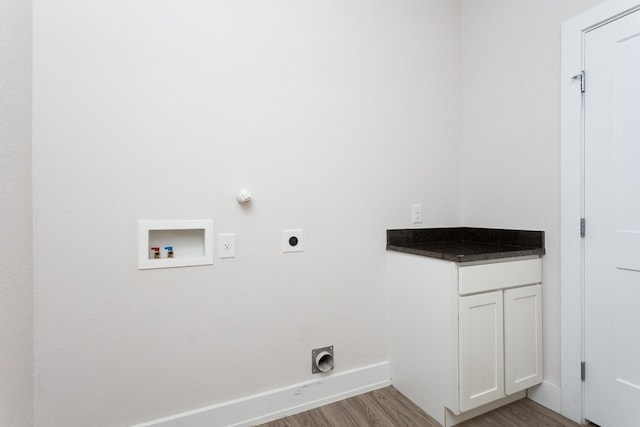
<point>481,355</point>
<point>522,338</point>
<point>500,344</point>
<point>464,338</point>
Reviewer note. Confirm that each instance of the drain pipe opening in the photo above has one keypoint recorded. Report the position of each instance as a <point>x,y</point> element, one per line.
<point>324,361</point>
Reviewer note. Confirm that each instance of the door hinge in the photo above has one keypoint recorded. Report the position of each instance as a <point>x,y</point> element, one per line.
<point>582,78</point>
<point>583,227</point>
<point>583,370</point>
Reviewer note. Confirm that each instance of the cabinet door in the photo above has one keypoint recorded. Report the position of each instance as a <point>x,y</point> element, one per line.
<point>481,365</point>
<point>523,337</point>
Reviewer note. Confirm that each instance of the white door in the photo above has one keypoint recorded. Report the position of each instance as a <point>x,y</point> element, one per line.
<point>522,338</point>
<point>480,335</point>
<point>612,212</point>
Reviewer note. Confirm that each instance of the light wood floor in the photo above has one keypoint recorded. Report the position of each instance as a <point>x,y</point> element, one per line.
<point>387,407</point>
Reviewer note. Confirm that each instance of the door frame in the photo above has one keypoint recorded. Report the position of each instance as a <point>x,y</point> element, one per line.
<point>572,198</point>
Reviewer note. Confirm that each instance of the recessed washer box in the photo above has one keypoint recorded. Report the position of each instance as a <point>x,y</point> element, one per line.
<point>174,243</point>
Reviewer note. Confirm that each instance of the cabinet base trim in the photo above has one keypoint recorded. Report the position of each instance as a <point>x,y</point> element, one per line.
<point>451,419</point>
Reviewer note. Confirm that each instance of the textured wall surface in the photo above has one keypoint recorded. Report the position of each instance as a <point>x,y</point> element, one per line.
<point>16,290</point>
<point>336,115</point>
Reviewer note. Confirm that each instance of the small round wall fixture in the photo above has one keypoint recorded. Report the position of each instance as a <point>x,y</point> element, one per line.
<point>243,196</point>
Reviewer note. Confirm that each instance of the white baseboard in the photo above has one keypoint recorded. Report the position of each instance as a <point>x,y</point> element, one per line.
<point>274,404</point>
<point>547,394</point>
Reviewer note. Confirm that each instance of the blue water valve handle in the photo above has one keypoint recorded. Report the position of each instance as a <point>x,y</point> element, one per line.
<point>169,250</point>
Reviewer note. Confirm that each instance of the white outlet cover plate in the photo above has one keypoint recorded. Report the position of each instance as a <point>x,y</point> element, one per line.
<point>416,213</point>
<point>287,240</point>
<point>227,245</point>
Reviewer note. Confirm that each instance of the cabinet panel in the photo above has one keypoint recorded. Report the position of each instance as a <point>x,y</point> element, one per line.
<point>489,277</point>
<point>523,337</point>
<point>480,349</point>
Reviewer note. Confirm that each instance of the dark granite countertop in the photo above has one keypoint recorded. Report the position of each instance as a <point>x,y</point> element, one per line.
<point>465,244</point>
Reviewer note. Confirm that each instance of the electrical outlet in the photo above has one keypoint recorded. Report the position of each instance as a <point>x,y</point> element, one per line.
<point>292,241</point>
<point>227,245</point>
<point>416,213</point>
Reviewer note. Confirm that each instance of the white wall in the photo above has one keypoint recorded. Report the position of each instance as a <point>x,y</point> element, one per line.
<point>510,130</point>
<point>336,115</point>
<point>16,285</point>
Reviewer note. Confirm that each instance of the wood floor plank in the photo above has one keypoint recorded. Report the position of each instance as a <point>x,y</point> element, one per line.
<point>315,419</point>
<point>387,407</point>
<point>523,412</point>
<point>564,422</point>
<point>399,409</point>
<point>337,415</point>
<point>364,414</point>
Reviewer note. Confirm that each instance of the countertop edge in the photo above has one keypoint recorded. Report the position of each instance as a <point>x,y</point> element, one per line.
<point>468,258</point>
